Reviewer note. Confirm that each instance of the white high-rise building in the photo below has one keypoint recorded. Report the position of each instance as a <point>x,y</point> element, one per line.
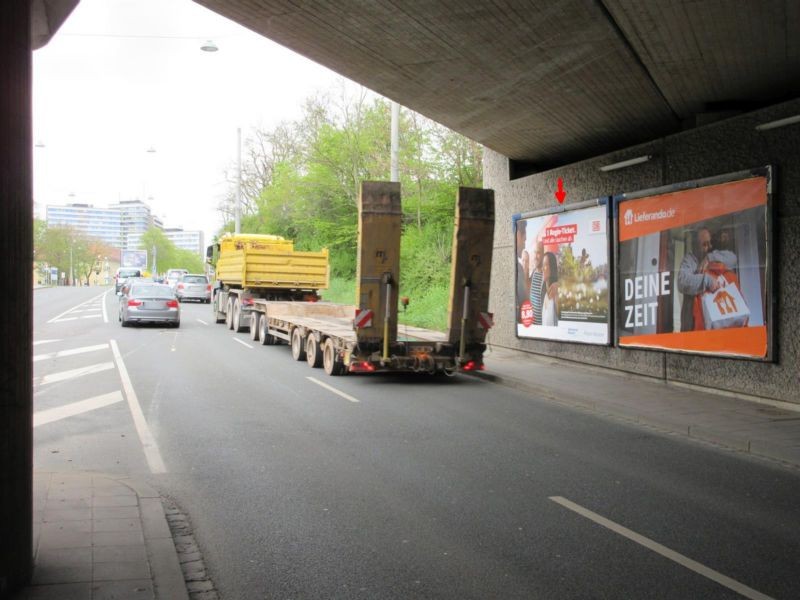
<point>187,240</point>
<point>100,223</point>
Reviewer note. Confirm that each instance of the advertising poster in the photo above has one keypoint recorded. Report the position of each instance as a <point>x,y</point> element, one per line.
<point>134,258</point>
<point>562,281</point>
<point>693,270</point>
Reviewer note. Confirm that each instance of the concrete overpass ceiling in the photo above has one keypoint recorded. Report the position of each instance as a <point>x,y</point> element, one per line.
<point>549,81</point>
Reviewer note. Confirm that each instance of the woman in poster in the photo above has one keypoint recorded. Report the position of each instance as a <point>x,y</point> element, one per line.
<point>550,290</point>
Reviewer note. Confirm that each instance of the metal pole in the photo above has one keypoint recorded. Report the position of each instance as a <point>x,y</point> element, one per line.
<point>71,276</point>
<point>238,209</point>
<point>395,140</point>
<point>463,344</point>
<point>386,322</point>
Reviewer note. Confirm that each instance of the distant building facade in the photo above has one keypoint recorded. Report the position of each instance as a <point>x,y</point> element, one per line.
<point>121,225</point>
<point>186,240</point>
<point>100,223</point>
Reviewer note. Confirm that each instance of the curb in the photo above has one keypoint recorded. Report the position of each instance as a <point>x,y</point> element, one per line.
<point>168,581</point>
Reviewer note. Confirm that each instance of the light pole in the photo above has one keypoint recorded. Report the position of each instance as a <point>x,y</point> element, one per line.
<point>71,278</point>
<point>238,208</point>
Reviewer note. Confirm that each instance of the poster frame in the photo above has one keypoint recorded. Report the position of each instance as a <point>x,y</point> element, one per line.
<point>766,171</point>
<point>606,201</point>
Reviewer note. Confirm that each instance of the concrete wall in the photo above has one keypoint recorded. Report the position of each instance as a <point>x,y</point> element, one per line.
<point>16,306</point>
<point>716,149</point>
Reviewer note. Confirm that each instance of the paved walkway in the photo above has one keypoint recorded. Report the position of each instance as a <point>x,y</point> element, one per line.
<point>100,538</point>
<point>761,427</point>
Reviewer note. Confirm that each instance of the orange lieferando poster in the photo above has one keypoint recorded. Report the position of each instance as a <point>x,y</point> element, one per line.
<point>693,270</point>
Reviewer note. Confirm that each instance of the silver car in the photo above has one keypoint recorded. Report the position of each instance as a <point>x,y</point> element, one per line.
<point>193,287</point>
<point>147,302</point>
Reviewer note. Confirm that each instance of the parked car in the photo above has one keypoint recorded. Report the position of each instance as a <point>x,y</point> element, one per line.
<point>193,286</point>
<point>173,275</point>
<point>145,301</point>
<point>122,274</point>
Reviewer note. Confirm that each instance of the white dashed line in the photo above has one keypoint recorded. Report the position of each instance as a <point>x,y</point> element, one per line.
<point>82,350</point>
<point>40,342</point>
<point>43,417</point>
<point>243,343</point>
<point>333,389</point>
<point>682,560</point>
<point>56,318</point>
<point>203,322</point>
<point>73,373</point>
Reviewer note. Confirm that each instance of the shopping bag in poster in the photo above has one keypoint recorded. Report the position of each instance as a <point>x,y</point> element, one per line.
<point>726,307</point>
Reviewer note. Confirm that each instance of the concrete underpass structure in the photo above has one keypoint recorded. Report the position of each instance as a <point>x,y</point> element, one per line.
<point>554,90</point>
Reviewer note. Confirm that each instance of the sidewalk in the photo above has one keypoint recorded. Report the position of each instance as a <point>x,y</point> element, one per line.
<point>761,427</point>
<point>100,537</point>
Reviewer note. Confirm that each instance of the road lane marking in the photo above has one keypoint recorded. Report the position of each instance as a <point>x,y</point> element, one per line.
<point>43,417</point>
<point>40,342</point>
<point>333,389</point>
<point>83,350</point>
<point>682,560</point>
<point>90,317</point>
<point>243,343</point>
<point>103,302</point>
<point>203,322</point>
<point>56,318</point>
<point>73,373</point>
<point>151,452</point>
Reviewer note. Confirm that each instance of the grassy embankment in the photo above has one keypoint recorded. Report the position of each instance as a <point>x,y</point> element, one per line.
<point>427,308</point>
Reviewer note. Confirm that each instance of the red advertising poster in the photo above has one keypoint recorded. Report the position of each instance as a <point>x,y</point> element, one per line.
<point>693,270</point>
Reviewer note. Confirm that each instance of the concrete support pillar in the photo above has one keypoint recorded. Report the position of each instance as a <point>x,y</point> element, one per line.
<point>16,275</point>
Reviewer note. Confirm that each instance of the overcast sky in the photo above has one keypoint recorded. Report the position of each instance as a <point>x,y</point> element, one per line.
<point>124,76</point>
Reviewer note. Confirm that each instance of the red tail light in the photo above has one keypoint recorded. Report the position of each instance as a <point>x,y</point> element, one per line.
<point>172,304</point>
<point>362,367</point>
<point>180,286</point>
<point>134,302</point>
<point>469,366</point>
<point>247,302</point>
<point>208,287</point>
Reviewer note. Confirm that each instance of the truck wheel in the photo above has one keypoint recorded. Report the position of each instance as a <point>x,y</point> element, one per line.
<point>254,319</point>
<point>330,363</point>
<point>238,325</point>
<point>219,317</point>
<point>266,338</point>
<point>313,352</point>
<point>229,313</point>
<point>298,345</point>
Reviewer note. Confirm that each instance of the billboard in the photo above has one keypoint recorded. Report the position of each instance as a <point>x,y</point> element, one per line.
<point>133,258</point>
<point>562,281</point>
<point>693,267</point>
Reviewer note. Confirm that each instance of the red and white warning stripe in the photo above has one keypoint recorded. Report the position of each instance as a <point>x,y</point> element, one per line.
<point>363,318</point>
<point>485,320</point>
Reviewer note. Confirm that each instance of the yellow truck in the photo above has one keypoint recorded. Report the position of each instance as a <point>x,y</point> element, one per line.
<point>250,266</point>
<point>276,299</point>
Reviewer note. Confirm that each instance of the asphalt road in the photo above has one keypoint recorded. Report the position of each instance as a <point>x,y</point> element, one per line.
<point>399,487</point>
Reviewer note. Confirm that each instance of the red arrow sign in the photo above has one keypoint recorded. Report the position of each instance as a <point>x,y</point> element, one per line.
<point>560,194</point>
<point>485,320</point>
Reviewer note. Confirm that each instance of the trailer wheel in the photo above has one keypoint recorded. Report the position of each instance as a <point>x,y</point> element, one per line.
<point>330,363</point>
<point>266,338</point>
<point>298,345</point>
<point>229,313</point>
<point>254,319</point>
<point>313,352</point>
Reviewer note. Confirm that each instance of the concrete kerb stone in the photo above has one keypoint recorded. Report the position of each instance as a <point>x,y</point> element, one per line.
<point>168,580</point>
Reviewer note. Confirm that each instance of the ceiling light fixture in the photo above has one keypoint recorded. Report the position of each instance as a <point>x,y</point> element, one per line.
<point>626,163</point>
<point>778,123</point>
<point>209,46</point>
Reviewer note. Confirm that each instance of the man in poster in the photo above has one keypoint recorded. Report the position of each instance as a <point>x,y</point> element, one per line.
<point>695,278</point>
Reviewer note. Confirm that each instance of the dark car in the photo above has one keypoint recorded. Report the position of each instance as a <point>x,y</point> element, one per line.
<point>148,302</point>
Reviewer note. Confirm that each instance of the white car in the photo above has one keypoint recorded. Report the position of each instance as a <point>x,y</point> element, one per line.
<point>173,276</point>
